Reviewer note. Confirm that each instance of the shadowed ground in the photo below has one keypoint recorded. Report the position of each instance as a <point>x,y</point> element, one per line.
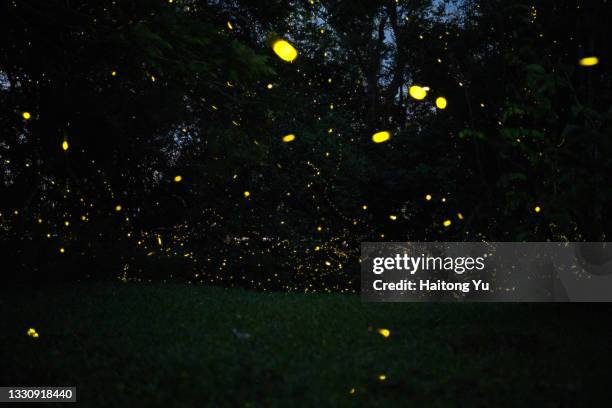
<point>176,345</point>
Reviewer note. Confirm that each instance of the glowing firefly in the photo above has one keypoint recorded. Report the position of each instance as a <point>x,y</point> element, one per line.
<point>381,137</point>
<point>289,138</point>
<point>417,92</point>
<point>284,50</point>
<point>588,61</point>
<point>441,102</point>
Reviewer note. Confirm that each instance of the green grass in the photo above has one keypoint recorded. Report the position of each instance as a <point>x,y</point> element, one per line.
<point>184,346</point>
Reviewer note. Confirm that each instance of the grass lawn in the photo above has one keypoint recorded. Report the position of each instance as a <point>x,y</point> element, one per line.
<point>185,346</point>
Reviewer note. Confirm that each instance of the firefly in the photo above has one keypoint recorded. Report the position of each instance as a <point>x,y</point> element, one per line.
<point>589,61</point>
<point>381,137</point>
<point>417,92</point>
<point>441,102</point>
<point>384,332</point>
<point>284,50</point>
<point>289,138</point>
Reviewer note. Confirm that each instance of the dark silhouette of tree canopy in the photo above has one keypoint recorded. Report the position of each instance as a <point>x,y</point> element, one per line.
<point>144,139</point>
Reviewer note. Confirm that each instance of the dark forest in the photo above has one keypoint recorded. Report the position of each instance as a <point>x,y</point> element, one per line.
<point>254,145</point>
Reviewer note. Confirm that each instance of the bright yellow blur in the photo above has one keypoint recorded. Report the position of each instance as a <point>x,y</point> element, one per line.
<point>381,137</point>
<point>441,102</point>
<point>284,50</point>
<point>589,61</point>
<point>384,332</point>
<point>417,92</point>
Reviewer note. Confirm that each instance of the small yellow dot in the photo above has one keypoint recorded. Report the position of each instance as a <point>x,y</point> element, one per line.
<point>289,138</point>
<point>447,223</point>
<point>428,197</point>
<point>365,207</point>
<point>114,73</point>
<point>247,194</point>
<point>178,178</point>
<point>441,102</point>
<point>270,86</point>
<point>537,209</point>
<point>384,332</point>
<point>62,250</point>
<point>393,217</point>
<point>460,216</point>
<point>382,377</point>
<point>65,145</point>
<point>26,115</point>
<point>118,208</point>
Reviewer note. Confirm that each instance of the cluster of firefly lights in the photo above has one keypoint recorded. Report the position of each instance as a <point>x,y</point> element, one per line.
<point>288,53</point>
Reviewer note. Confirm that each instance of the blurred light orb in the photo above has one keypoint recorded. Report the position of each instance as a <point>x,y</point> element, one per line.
<point>381,137</point>
<point>284,50</point>
<point>289,138</point>
<point>441,102</point>
<point>417,92</point>
<point>384,332</point>
<point>588,61</point>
